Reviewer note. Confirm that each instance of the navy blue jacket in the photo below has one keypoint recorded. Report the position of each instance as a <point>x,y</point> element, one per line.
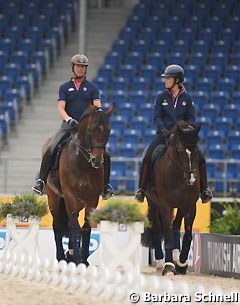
<point>77,101</point>
<point>168,111</point>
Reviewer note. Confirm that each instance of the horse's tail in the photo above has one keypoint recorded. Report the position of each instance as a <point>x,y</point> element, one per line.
<point>152,235</point>
<point>63,217</point>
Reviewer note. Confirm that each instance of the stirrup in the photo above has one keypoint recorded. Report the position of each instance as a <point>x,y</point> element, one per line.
<point>39,186</point>
<point>206,195</point>
<point>108,192</point>
<point>140,195</point>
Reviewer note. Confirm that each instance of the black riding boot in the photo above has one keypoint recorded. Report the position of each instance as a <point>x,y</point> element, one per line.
<point>206,194</point>
<point>144,173</point>
<point>39,184</point>
<point>107,189</point>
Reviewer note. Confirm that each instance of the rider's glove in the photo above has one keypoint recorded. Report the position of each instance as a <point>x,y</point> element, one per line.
<point>166,133</point>
<point>72,122</point>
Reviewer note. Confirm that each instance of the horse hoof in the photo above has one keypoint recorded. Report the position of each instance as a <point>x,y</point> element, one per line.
<point>169,269</point>
<point>85,262</point>
<point>69,257</point>
<point>160,266</point>
<point>181,268</point>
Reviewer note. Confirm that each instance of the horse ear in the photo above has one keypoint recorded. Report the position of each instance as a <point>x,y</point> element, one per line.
<point>110,110</point>
<point>198,127</point>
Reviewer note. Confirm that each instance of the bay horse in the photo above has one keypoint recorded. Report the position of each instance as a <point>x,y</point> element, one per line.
<point>175,183</point>
<point>78,182</point>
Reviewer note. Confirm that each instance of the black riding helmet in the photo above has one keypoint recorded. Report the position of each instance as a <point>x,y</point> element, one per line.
<point>175,71</point>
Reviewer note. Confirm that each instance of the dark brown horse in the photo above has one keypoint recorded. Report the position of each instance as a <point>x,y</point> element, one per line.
<point>78,183</point>
<point>175,184</point>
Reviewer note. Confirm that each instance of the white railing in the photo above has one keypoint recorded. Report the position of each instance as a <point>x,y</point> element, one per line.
<point>127,182</point>
<point>106,283</point>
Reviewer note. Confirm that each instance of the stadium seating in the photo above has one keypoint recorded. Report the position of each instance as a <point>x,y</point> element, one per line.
<point>208,49</point>
<point>32,35</point>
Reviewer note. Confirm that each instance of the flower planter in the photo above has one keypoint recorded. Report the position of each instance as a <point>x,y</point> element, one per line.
<point>120,246</point>
<point>28,242</point>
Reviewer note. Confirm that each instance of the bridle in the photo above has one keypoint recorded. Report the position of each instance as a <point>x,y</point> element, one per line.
<point>192,169</point>
<point>86,151</point>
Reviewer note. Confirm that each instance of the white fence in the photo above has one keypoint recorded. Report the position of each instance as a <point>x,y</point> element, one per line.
<point>106,283</point>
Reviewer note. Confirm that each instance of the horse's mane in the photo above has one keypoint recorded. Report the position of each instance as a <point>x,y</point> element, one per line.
<point>186,132</point>
<point>91,110</point>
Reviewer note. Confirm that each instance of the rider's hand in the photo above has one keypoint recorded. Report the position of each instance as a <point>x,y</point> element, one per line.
<point>166,133</point>
<point>72,122</point>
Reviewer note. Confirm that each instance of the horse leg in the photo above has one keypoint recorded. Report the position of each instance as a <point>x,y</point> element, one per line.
<point>157,235</point>
<point>86,234</point>
<point>75,237</point>
<point>182,263</point>
<point>166,216</point>
<point>152,237</point>
<point>176,234</point>
<point>57,207</point>
<point>69,253</point>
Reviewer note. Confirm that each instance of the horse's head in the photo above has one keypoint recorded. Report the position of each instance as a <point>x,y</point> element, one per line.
<point>92,135</point>
<point>184,144</point>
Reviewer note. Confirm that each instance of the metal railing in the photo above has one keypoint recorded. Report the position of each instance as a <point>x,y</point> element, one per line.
<point>124,174</point>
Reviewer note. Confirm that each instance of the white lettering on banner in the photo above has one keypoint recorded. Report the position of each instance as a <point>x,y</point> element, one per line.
<point>2,243</point>
<point>223,256</point>
<point>236,258</point>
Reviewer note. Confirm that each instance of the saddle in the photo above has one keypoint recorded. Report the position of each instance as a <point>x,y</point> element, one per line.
<point>157,154</point>
<point>59,150</point>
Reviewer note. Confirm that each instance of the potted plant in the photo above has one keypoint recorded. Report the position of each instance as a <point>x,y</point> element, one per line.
<point>26,208</point>
<point>227,222</point>
<point>121,225</point>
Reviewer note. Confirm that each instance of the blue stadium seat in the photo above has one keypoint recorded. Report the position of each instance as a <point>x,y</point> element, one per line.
<point>233,138</point>
<point>236,98</point>
<point>212,72</point>
<point>200,98</point>
<point>223,124</point>
<point>7,46</point>
<point>232,170</point>
<point>235,149</point>
<point>126,110</point>
<point>127,150</point>
<point>232,71</point>
<point>215,138</point>
<point>220,98</point>
<point>205,84</point>
<point>226,84</point>
<point>155,59</point>
<point>205,123</point>
<point>218,59</point>
<point>211,111</point>
<point>231,111</point>
<point>140,83</point>
<point>146,110</point>
<point>118,84</point>
<point>139,46</point>
<point>132,136</point>
<point>113,59</point>
<point>6,83</point>
<point>119,123</point>
<point>217,151</point>
<point>128,72</point>
<point>197,59</point>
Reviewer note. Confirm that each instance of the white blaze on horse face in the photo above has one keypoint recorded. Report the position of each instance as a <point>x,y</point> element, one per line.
<point>192,178</point>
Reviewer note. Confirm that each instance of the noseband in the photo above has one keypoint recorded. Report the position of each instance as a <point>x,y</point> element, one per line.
<point>87,151</point>
<point>186,172</point>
